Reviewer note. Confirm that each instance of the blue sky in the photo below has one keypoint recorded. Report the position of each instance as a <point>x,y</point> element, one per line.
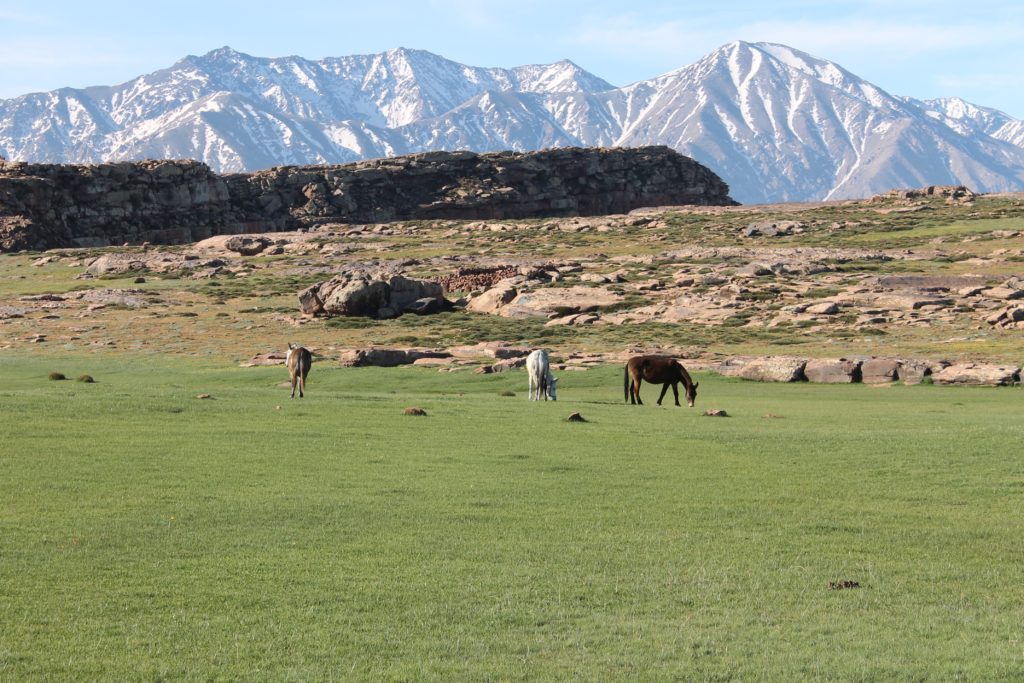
<point>920,48</point>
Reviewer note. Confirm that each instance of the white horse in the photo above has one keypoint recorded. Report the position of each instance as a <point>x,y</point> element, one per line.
<point>541,381</point>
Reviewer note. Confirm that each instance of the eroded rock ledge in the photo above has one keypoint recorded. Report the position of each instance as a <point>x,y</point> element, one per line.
<point>45,206</point>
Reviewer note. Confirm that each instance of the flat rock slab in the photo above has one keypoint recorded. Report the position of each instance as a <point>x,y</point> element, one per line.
<point>909,301</point>
<point>553,300</point>
<point>978,374</point>
<point>260,359</point>
<point>1004,293</point>
<point>129,298</point>
<point>494,349</point>
<point>769,369</point>
<point>387,358</point>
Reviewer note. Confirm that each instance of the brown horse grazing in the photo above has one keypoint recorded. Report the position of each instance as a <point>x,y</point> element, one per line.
<point>657,370</point>
<point>298,361</point>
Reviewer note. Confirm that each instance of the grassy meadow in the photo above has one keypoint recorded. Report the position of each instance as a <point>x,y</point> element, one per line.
<point>146,534</point>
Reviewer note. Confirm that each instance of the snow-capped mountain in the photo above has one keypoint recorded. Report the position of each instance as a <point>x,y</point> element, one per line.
<point>779,124</point>
<point>775,123</point>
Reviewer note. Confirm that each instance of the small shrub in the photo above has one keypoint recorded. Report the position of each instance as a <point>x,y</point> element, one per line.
<point>507,393</point>
<point>86,378</point>
<point>57,376</point>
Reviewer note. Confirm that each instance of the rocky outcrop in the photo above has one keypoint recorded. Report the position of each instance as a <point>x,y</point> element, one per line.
<point>948,192</point>
<point>466,185</point>
<point>387,357</point>
<point>46,206</point>
<point>156,262</point>
<point>349,295</point>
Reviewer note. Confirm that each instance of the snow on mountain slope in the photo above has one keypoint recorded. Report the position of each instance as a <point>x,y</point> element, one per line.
<point>492,121</point>
<point>776,123</point>
<point>970,119</point>
<point>232,134</point>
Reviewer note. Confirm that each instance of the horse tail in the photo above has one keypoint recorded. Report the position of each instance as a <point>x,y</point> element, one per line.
<point>625,383</point>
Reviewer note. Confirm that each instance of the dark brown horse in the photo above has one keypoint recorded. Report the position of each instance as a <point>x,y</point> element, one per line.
<point>657,370</point>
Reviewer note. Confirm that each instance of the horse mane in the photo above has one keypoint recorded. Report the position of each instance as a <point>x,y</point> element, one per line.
<point>687,380</point>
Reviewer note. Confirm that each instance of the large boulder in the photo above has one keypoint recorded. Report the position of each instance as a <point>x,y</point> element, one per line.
<point>879,370</point>
<point>357,297</point>
<point>914,371</point>
<point>246,245</point>
<point>494,349</point>
<point>405,293</point>
<point>829,371</point>
<point>347,295</point>
<point>767,369</point>
<point>493,299</point>
<point>981,374</point>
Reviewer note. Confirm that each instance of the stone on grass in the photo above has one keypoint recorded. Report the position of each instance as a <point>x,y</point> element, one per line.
<point>493,299</point>
<point>828,371</point>
<point>767,369</point>
<point>879,370</point>
<point>978,374</point>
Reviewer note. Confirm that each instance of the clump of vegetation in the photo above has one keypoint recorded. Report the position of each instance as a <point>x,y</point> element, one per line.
<point>507,393</point>
<point>86,379</point>
<point>57,376</point>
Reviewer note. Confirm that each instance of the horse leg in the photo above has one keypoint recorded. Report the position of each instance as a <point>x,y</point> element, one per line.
<point>675,390</point>
<point>302,386</point>
<point>293,385</point>
<point>636,388</point>
<point>664,388</point>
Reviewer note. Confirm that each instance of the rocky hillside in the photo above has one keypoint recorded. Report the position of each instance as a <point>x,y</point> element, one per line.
<point>911,285</point>
<point>45,206</point>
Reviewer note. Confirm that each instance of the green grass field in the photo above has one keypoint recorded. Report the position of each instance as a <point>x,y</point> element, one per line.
<point>146,534</point>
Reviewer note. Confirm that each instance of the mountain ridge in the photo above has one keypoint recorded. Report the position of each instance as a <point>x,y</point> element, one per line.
<point>776,123</point>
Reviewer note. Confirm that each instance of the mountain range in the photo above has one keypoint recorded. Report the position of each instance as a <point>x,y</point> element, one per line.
<point>776,123</point>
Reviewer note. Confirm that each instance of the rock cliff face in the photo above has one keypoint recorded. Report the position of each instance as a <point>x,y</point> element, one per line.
<point>43,206</point>
<point>46,206</point>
